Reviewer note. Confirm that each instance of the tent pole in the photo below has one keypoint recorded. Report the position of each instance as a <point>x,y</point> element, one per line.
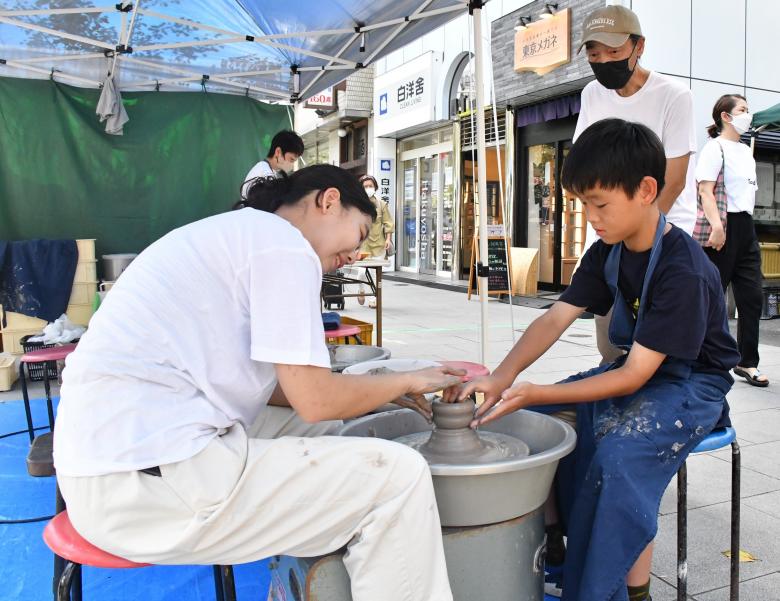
<point>475,7</point>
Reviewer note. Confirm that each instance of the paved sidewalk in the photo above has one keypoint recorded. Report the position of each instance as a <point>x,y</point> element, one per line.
<point>422,322</point>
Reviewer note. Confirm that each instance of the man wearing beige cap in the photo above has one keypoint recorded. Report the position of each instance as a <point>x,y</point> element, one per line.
<point>613,41</point>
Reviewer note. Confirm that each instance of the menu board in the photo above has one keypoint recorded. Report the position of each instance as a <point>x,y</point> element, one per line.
<point>498,277</point>
<point>498,280</point>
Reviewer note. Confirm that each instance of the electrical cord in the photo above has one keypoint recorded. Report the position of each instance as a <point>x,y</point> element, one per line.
<point>44,518</point>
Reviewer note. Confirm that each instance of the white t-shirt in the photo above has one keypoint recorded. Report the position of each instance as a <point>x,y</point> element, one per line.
<point>261,169</point>
<point>185,343</point>
<point>739,175</point>
<point>666,107</point>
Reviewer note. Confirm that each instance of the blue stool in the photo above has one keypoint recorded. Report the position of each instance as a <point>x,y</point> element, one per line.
<point>717,439</point>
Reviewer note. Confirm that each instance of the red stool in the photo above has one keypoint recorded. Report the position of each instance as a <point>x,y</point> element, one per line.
<point>473,370</point>
<point>64,541</point>
<point>44,356</point>
<point>344,331</point>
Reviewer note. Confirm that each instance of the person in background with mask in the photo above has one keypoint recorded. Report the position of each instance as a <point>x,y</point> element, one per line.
<point>381,234</point>
<point>613,40</point>
<point>286,148</point>
<point>734,248</point>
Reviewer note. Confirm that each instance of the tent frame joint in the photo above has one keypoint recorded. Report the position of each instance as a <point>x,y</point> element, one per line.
<point>250,38</point>
<point>2,61</point>
<point>122,8</point>
<point>476,5</point>
<point>123,49</point>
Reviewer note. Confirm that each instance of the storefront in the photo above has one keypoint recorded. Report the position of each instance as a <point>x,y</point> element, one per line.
<point>541,82</point>
<point>496,182</point>
<point>426,177</point>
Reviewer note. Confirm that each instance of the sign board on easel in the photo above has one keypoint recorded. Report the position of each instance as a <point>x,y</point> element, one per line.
<point>498,264</point>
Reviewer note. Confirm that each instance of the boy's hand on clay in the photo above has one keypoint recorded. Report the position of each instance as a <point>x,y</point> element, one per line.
<point>510,400</point>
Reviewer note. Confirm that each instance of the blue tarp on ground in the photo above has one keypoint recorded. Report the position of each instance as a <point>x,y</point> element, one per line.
<point>26,563</point>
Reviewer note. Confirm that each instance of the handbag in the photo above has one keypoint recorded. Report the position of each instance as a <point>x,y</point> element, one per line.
<point>703,229</point>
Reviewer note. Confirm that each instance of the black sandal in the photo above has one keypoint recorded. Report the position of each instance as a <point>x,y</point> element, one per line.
<point>751,379</point>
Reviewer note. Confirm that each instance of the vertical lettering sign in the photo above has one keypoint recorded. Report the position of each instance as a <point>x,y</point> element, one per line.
<point>544,44</point>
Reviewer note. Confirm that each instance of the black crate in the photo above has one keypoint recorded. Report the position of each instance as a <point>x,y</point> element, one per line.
<point>770,309</point>
<point>35,371</point>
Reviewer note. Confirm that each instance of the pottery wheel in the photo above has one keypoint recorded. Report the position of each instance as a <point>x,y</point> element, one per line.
<point>452,441</point>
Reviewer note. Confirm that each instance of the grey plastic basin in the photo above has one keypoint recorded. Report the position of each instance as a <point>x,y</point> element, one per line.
<point>470,495</point>
<point>343,356</point>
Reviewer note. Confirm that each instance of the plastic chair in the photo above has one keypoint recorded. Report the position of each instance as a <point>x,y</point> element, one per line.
<point>717,439</point>
<point>64,541</point>
<point>344,331</point>
<point>43,356</point>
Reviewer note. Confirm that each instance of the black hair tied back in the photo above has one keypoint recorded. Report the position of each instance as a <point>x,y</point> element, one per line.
<point>270,193</point>
<point>265,193</point>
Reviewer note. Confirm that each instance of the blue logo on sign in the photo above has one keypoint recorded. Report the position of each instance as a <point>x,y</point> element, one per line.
<point>384,165</point>
<point>383,104</point>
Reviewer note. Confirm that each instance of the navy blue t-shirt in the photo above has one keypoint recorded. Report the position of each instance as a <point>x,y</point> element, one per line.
<point>686,314</point>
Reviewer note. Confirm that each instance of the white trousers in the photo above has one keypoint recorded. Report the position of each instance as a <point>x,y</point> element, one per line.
<point>278,492</point>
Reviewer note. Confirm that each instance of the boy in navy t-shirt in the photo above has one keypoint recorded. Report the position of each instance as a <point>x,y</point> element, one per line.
<point>639,417</point>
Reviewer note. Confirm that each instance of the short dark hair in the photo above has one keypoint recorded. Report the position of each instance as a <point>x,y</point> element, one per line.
<point>611,154</point>
<point>288,141</point>
<point>270,193</point>
<point>369,178</point>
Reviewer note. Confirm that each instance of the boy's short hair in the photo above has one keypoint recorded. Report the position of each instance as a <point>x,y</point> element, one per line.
<point>611,154</point>
<point>288,141</point>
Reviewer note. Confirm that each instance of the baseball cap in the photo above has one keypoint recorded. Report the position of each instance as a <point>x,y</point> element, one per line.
<point>610,25</point>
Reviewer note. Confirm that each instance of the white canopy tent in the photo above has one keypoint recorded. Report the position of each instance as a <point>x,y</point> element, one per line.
<point>274,51</point>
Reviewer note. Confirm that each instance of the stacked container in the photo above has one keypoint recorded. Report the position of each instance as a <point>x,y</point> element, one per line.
<point>79,309</point>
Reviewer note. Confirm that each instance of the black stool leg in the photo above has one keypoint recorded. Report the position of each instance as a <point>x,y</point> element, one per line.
<point>219,587</point>
<point>70,571</point>
<point>736,471</point>
<point>76,588</point>
<point>59,562</point>
<point>228,583</point>
<point>47,388</point>
<point>26,397</point>
<point>682,533</point>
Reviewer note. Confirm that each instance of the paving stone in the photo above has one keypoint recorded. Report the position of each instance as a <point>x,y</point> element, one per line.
<point>709,483</point>
<point>761,588</point>
<point>708,537</point>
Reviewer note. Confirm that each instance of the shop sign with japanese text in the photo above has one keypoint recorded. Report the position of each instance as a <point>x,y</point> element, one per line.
<point>403,97</point>
<point>544,44</point>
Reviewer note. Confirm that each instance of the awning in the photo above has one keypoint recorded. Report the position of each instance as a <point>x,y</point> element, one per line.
<point>275,51</point>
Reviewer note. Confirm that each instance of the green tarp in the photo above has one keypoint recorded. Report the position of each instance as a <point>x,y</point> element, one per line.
<point>770,117</point>
<point>183,156</point>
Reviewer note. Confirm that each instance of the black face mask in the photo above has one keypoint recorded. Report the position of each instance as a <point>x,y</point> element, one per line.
<point>613,75</point>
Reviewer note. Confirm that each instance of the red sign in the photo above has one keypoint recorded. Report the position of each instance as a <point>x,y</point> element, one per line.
<point>323,100</point>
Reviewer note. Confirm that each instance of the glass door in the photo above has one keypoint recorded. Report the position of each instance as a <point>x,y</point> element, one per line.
<point>447,211</point>
<point>409,215</point>
<point>542,207</point>
<point>556,219</point>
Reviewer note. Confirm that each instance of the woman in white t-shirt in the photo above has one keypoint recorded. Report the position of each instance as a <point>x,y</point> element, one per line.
<point>193,413</point>
<point>734,250</point>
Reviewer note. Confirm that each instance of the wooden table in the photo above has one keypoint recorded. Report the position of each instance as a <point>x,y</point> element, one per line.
<point>374,284</point>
